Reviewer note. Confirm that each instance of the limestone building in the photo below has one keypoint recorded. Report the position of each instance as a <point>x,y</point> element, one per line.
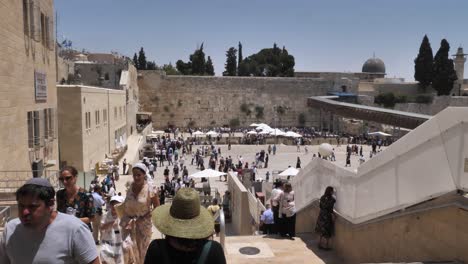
<point>28,101</point>
<point>92,124</point>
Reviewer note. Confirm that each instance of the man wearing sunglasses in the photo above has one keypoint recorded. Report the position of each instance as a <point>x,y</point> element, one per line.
<point>43,235</point>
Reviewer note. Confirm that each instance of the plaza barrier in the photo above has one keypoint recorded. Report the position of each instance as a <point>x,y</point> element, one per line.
<point>10,181</point>
<point>430,161</point>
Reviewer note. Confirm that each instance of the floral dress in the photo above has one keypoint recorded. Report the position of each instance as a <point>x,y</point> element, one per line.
<point>325,226</point>
<point>82,205</point>
<point>139,207</point>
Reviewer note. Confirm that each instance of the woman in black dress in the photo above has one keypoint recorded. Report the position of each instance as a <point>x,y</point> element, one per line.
<point>298,163</point>
<point>325,223</point>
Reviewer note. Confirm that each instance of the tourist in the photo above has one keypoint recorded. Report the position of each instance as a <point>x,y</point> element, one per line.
<point>42,235</point>
<point>74,200</point>
<point>269,149</point>
<point>325,221</point>
<point>166,172</point>
<point>98,204</point>
<point>348,159</point>
<point>124,165</point>
<point>267,222</point>
<point>267,157</point>
<point>275,196</point>
<point>287,212</point>
<point>214,210</point>
<point>187,227</point>
<point>298,163</point>
<point>140,201</point>
<point>274,149</point>
<point>162,195</point>
<point>267,176</point>
<point>112,249</point>
<point>306,149</point>
<point>151,170</point>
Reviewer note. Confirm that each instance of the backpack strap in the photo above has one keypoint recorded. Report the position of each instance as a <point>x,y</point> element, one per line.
<point>204,254</point>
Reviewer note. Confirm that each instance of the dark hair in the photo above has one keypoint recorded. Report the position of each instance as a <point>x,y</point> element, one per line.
<point>328,191</point>
<point>70,169</point>
<point>44,193</point>
<point>189,243</point>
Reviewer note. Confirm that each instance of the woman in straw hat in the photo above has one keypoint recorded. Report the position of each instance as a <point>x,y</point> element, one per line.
<point>142,197</point>
<point>187,227</point>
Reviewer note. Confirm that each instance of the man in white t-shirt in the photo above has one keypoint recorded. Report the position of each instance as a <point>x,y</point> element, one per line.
<point>43,235</point>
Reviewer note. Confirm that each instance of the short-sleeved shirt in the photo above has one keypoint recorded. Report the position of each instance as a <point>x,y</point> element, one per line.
<point>66,240</point>
<point>83,203</point>
<point>267,217</point>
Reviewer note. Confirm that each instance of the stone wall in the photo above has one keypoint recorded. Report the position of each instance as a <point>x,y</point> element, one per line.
<point>438,104</point>
<point>215,101</point>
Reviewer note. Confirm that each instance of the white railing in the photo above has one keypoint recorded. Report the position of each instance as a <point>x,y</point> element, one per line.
<point>430,161</point>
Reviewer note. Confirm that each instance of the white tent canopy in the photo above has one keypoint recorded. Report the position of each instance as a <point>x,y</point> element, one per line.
<point>252,132</point>
<point>292,134</point>
<point>208,173</point>
<point>379,133</point>
<point>289,172</point>
<point>264,132</point>
<point>254,125</point>
<point>158,132</point>
<point>263,127</point>
<point>212,133</point>
<point>277,132</point>
<point>198,133</point>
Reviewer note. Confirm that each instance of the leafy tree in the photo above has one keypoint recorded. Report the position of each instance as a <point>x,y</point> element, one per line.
<point>423,64</point>
<point>135,60</point>
<point>184,68</point>
<point>259,114</point>
<point>209,68</point>
<point>151,65</point>
<point>170,70</point>
<point>269,62</point>
<point>443,70</point>
<point>198,61</point>
<point>231,62</point>
<point>142,59</point>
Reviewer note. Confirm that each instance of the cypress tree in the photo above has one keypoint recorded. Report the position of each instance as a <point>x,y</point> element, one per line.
<point>239,58</point>
<point>198,62</point>
<point>423,64</point>
<point>231,62</point>
<point>135,61</point>
<point>142,59</point>
<point>444,74</point>
<point>209,68</point>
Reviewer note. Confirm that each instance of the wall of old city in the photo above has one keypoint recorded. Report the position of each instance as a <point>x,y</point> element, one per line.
<point>25,51</point>
<point>215,101</point>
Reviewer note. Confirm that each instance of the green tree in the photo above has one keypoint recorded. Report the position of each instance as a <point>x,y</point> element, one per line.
<point>142,59</point>
<point>231,62</point>
<point>170,70</point>
<point>135,60</point>
<point>443,70</point>
<point>151,65</point>
<point>269,62</point>
<point>198,61</point>
<point>423,64</point>
<point>240,58</point>
<point>184,68</point>
<point>209,68</point>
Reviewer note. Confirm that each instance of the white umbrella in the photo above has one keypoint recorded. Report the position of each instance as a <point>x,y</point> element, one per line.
<point>277,132</point>
<point>198,133</point>
<point>289,172</point>
<point>263,127</point>
<point>292,134</point>
<point>264,132</point>
<point>208,173</point>
<point>212,133</point>
<point>252,133</point>
<point>379,133</point>
<point>254,125</point>
<point>158,132</point>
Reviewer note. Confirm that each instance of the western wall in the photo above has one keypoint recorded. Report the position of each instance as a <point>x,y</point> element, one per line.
<point>206,101</point>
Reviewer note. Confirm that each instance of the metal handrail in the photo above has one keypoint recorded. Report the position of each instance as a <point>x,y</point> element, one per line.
<point>222,225</point>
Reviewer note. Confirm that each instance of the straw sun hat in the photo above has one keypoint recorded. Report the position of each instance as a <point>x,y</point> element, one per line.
<point>185,217</point>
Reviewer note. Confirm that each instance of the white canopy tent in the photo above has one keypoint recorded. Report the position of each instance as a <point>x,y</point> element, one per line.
<point>264,132</point>
<point>158,132</point>
<point>254,125</point>
<point>379,133</point>
<point>212,133</point>
<point>208,173</point>
<point>263,127</point>
<point>277,132</point>
<point>289,172</point>
<point>292,134</point>
<point>252,132</point>
<point>198,133</point>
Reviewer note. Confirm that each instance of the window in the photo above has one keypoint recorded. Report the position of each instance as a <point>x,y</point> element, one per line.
<point>104,116</point>
<point>106,76</point>
<point>88,120</point>
<point>97,117</point>
<point>34,129</point>
<point>26,17</point>
<point>43,28</point>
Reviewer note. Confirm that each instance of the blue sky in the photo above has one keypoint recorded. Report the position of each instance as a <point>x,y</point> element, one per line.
<point>323,35</point>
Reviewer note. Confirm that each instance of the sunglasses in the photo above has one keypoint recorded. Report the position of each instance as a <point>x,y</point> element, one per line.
<point>68,178</point>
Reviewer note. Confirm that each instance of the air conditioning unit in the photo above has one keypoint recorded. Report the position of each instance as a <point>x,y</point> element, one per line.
<point>37,167</point>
